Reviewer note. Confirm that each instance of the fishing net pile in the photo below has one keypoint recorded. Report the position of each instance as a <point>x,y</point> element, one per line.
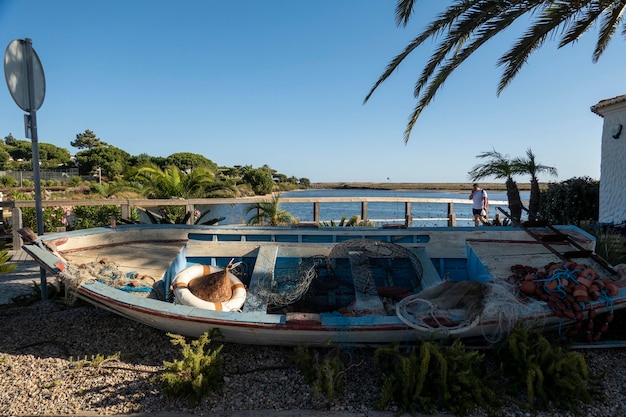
<point>108,273</point>
<point>449,307</point>
<point>352,278</point>
<point>285,288</point>
<point>455,307</point>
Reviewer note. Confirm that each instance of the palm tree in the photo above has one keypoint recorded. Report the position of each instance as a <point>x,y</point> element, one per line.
<point>171,181</point>
<point>529,165</point>
<point>465,26</point>
<point>270,212</point>
<point>500,166</point>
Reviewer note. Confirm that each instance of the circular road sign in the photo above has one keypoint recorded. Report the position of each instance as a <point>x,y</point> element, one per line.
<point>16,74</point>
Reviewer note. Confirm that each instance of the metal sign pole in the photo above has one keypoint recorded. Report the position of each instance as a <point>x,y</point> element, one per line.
<point>32,127</point>
<point>24,76</point>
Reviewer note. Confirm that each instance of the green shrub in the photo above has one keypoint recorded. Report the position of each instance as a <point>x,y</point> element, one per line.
<point>434,376</point>
<point>322,370</point>
<point>53,217</point>
<point>549,374</point>
<point>571,201</point>
<point>198,374</point>
<point>86,217</point>
<point>9,181</point>
<point>74,181</point>
<point>354,221</point>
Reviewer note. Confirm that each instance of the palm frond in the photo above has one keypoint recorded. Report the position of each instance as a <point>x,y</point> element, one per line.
<point>404,10</point>
<point>552,17</point>
<point>467,25</point>
<point>582,24</point>
<point>464,22</point>
<point>438,26</point>
<point>483,34</point>
<point>498,166</point>
<point>611,19</point>
<point>6,257</point>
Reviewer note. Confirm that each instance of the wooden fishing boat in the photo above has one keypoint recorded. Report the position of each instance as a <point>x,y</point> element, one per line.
<point>348,285</point>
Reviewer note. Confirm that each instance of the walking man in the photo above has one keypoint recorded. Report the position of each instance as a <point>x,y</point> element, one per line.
<point>480,204</point>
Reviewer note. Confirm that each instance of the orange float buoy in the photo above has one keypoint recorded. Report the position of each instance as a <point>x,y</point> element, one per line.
<point>528,287</point>
<point>530,277</point>
<point>611,289</point>
<point>554,267</point>
<point>589,273</point>
<point>580,293</point>
<point>551,285</point>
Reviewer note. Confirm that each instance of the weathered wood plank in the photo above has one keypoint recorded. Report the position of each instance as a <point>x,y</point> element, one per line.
<point>142,258</point>
<point>430,277</point>
<point>367,298</point>
<point>263,273</point>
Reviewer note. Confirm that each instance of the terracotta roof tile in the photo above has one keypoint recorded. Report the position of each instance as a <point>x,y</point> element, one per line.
<point>606,103</point>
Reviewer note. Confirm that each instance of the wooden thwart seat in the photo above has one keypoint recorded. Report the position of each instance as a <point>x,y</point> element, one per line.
<point>365,294</point>
<point>430,276</point>
<point>262,273</point>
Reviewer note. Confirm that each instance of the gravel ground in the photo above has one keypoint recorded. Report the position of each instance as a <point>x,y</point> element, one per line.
<point>45,350</point>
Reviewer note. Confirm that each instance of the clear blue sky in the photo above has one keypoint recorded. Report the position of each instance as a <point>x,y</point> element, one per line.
<point>282,83</point>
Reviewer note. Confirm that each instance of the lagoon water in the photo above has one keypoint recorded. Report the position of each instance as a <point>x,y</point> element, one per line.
<point>424,214</point>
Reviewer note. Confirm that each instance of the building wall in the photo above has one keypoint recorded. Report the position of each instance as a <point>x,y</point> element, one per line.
<point>613,165</point>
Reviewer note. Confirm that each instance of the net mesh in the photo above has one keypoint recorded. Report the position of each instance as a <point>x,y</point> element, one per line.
<point>108,273</point>
<point>287,288</point>
<point>355,276</point>
<point>455,307</point>
<point>447,307</point>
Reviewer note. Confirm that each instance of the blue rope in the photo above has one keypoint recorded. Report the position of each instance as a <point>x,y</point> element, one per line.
<point>559,287</point>
<point>608,301</point>
<point>130,288</point>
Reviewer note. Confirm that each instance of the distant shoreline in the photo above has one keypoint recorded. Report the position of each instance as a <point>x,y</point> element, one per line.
<point>438,186</point>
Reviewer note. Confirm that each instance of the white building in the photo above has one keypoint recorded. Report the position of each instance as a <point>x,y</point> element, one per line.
<point>613,160</point>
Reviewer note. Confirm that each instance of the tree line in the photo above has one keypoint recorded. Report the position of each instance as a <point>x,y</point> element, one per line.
<point>193,174</point>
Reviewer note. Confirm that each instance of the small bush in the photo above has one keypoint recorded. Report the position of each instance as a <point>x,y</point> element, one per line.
<point>434,376</point>
<point>8,181</point>
<point>571,201</point>
<point>550,375</point>
<point>86,217</point>
<point>324,373</point>
<point>199,372</point>
<point>74,181</point>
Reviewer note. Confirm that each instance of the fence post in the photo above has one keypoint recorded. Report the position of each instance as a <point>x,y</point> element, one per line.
<point>450,209</point>
<point>316,212</point>
<point>451,215</point>
<point>125,210</point>
<point>16,224</point>
<point>364,210</point>
<point>408,217</point>
<point>191,208</point>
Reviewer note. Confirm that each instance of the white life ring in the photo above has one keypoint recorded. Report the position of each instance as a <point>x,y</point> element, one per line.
<point>185,296</point>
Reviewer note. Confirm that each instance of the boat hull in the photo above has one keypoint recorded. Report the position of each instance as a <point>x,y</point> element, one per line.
<point>166,250</point>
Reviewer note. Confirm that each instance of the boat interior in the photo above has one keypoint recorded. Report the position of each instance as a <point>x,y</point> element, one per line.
<point>366,274</point>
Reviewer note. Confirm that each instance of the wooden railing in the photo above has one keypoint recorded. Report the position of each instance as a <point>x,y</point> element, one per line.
<point>15,207</point>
